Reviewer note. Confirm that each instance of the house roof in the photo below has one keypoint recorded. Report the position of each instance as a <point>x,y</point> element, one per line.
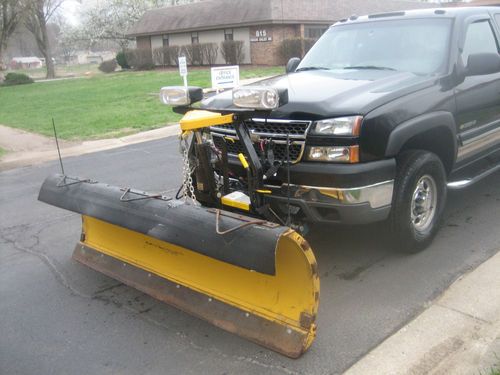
<point>215,14</point>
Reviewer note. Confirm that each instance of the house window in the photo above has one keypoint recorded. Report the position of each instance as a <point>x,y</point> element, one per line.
<point>314,32</point>
<point>228,34</point>
<point>194,38</point>
<point>165,41</point>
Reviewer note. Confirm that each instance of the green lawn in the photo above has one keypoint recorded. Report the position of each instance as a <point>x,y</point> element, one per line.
<point>101,105</point>
<point>2,152</point>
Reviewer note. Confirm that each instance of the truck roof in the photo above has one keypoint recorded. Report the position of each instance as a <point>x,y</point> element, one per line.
<point>454,12</point>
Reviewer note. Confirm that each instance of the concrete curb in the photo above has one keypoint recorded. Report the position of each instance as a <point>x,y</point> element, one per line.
<point>458,334</point>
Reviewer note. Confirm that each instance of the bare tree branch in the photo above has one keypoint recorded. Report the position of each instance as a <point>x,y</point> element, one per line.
<point>11,13</point>
<point>38,14</point>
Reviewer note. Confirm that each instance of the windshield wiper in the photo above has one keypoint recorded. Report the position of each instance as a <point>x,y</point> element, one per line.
<point>311,68</point>
<point>371,67</point>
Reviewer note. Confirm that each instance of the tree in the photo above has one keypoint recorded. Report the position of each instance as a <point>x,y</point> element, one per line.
<point>11,12</point>
<point>39,13</point>
<point>111,19</point>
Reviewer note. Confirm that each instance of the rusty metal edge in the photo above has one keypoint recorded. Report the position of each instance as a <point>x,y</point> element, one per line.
<point>270,334</point>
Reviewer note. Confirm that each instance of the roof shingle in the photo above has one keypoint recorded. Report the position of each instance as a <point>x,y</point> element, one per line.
<point>214,14</point>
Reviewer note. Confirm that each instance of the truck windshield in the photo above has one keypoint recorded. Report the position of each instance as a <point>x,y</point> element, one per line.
<point>419,46</point>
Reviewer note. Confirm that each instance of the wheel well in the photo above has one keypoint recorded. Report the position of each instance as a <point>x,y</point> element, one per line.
<point>438,140</point>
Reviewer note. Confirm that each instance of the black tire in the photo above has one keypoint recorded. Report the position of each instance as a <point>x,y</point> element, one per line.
<point>418,201</point>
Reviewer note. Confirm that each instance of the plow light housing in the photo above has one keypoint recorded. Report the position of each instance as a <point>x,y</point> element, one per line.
<point>262,98</point>
<point>180,95</point>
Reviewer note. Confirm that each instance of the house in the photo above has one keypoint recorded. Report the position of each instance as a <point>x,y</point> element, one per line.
<point>26,63</point>
<point>261,25</point>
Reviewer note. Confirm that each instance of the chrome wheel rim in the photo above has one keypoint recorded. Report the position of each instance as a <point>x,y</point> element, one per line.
<point>423,203</point>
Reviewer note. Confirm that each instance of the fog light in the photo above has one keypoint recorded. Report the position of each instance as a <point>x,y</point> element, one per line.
<point>339,154</point>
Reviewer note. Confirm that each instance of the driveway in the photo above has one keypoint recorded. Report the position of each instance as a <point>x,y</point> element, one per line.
<point>58,317</point>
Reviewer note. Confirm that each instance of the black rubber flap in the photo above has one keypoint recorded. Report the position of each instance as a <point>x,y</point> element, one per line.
<point>192,227</point>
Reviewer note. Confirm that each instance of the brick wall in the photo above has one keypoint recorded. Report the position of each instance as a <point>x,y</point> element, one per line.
<point>267,52</point>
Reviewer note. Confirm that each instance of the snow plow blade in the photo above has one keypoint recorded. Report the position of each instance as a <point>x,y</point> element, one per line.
<point>258,280</point>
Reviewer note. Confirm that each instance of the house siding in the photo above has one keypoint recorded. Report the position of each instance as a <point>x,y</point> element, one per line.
<point>257,50</point>
<point>143,42</point>
<point>214,36</point>
<point>180,39</point>
<point>243,34</point>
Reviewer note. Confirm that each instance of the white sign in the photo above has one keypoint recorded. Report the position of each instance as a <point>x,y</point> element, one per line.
<point>183,70</point>
<point>225,77</point>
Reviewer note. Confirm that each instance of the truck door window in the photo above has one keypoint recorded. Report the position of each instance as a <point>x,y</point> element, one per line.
<point>479,39</point>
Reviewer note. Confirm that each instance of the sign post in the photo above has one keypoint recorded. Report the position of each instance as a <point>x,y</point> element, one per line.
<point>183,71</point>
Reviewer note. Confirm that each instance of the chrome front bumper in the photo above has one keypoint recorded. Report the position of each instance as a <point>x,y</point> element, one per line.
<point>356,205</point>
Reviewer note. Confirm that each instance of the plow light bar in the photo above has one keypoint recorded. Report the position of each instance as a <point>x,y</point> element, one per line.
<point>259,97</point>
<point>180,95</point>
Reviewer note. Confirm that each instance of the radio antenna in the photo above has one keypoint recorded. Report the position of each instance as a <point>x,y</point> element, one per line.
<point>57,144</point>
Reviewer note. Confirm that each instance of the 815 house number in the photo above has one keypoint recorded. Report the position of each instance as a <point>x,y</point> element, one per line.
<point>261,36</point>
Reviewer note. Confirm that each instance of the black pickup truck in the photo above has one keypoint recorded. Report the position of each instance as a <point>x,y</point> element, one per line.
<point>382,116</point>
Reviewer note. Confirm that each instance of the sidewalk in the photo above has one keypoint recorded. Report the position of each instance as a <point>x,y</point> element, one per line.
<point>459,333</point>
<point>24,148</point>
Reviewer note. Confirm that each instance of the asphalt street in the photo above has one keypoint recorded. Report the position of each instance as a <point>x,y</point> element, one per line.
<point>59,317</point>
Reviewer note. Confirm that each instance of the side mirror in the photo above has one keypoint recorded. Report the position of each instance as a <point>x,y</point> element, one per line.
<point>292,64</point>
<point>482,63</point>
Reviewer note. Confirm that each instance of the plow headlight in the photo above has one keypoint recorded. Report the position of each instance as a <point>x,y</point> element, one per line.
<point>180,95</point>
<point>348,126</point>
<point>174,95</point>
<point>256,98</point>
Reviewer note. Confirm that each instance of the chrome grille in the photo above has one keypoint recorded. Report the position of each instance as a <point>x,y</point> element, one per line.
<point>277,130</point>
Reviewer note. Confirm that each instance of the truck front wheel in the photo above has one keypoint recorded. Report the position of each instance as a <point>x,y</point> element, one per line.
<point>418,200</point>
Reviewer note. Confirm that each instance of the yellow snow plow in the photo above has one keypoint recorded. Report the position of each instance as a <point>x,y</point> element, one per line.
<point>215,253</point>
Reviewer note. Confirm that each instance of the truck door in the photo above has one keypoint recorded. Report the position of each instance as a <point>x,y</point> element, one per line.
<point>478,97</point>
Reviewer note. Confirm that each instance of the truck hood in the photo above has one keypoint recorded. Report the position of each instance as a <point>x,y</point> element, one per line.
<point>326,93</point>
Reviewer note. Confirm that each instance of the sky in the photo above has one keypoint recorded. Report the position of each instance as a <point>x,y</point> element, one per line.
<point>71,9</point>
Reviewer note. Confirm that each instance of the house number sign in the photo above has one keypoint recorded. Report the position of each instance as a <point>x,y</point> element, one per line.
<point>261,36</point>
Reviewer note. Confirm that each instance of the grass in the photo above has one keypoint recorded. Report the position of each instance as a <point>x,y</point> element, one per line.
<point>2,152</point>
<point>100,105</point>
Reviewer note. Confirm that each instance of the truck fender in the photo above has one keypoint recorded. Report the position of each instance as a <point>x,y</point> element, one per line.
<point>420,125</point>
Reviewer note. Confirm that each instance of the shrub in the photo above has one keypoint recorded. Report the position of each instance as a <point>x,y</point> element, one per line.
<point>121,59</point>
<point>140,59</point>
<point>232,51</point>
<point>172,55</point>
<point>295,47</point>
<point>209,53</point>
<point>166,56</point>
<point>12,79</point>
<point>193,53</point>
<point>108,66</point>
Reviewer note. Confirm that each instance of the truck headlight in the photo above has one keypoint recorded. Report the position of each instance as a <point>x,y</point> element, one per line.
<point>256,97</point>
<point>339,154</point>
<point>348,126</point>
